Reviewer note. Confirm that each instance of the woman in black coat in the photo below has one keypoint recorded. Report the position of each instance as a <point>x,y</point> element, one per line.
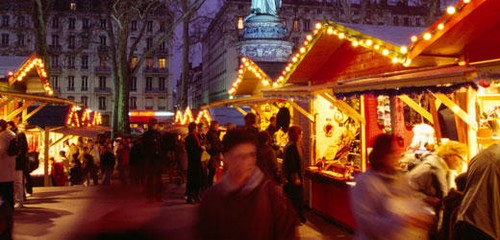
<point>292,170</point>
<point>195,170</point>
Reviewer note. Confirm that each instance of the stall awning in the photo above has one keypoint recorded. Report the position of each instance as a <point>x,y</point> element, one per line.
<point>470,34</point>
<point>445,79</point>
<point>88,132</point>
<point>251,79</point>
<point>343,51</point>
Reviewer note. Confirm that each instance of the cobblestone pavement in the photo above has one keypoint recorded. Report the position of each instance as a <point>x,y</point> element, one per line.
<point>80,212</point>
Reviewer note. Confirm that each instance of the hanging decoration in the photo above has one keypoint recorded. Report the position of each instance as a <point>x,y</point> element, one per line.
<point>97,119</point>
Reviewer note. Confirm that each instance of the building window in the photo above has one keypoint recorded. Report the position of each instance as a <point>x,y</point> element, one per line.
<point>149,26</point>
<point>406,21</point>
<point>133,84</point>
<point>296,41</point>
<point>20,40</point>
<point>54,61</point>
<point>5,39</point>
<point>149,83</point>
<point>85,23</point>
<point>102,40</point>
<point>149,43</point>
<point>161,83</point>
<point>149,103</point>
<point>72,22</point>
<point>102,103</point>
<point>103,24</point>
<point>240,23</point>
<point>163,47</point>
<point>133,62</point>
<point>162,102</point>
<point>71,83</point>
<point>85,42</point>
<point>71,42</point>
<point>296,25</point>
<point>85,62</point>
<point>102,82</point>
<point>55,22</point>
<point>71,61</point>
<point>418,22</point>
<point>72,6</point>
<point>5,21</point>
<point>162,26</point>
<point>133,25</point>
<point>395,21</point>
<point>85,101</point>
<point>307,25</point>
<point>85,83</point>
<point>21,21</point>
<point>149,63</point>
<point>55,40</point>
<point>102,62</point>
<point>319,11</point>
<point>54,81</point>
<point>133,103</point>
<point>162,63</point>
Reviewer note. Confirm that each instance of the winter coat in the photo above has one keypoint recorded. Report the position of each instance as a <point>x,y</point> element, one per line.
<point>7,163</point>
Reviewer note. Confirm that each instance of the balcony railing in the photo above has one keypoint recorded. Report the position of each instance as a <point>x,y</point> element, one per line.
<point>155,90</point>
<point>102,90</point>
<point>102,70</point>
<point>153,70</point>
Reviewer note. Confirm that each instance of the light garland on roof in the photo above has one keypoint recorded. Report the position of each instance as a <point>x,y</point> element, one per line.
<point>36,63</point>
<point>72,119</point>
<point>86,118</point>
<point>183,118</point>
<point>97,119</point>
<point>248,65</point>
<point>204,114</point>
<point>439,25</point>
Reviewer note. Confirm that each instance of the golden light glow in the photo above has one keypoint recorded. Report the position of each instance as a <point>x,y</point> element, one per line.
<point>466,1</point>
<point>403,50</point>
<point>294,59</point>
<point>451,10</point>
<point>369,42</point>
<point>427,36</point>
<point>341,35</point>
<point>414,38</point>
<point>329,31</point>
<point>302,49</point>
<point>355,43</point>
<point>385,52</point>
<point>395,60</point>
<point>318,25</point>
<point>440,26</point>
<point>377,47</point>
<point>309,37</point>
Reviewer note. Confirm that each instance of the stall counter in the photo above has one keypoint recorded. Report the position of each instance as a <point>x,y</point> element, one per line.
<point>331,197</point>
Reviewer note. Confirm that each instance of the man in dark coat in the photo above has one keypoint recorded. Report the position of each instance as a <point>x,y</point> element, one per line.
<point>21,163</point>
<point>151,149</point>
<point>245,204</point>
<point>215,149</point>
<point>195,170</point>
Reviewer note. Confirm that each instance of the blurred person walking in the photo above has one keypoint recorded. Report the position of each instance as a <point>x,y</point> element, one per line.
<point>384,206</point>
<point>7,177</point>
<point>108,163</point>
<point>151,150</point>
<point>194,148</point>
<point>21,162</point>
<point>266,158</point>
<point>88,167</point>
<point>136,162</point>
<point>122,160</point>
<point>292,170</point>
<point>479,213</point>
<point>245,204</point>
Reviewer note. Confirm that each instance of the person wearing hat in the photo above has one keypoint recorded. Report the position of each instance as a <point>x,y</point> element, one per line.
<point>151,150</point>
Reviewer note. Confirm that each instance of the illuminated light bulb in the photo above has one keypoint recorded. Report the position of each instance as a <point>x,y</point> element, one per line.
<point>290,65</point>
<point>377,47</point>
<point>265,82</point>
<point>275,84</point>
<point>451,10</point>
<point>294,59</point>
<point>403,50</point>
<point>427,36</point>
<point>369,42</point>
<point>244,59</point>
<point>385,52</point>
<point>283,73</point>
<point>281,78</point>
<point>395,60</point>
<point>355,43</point>
<point>329,31</point>
<point>297,55</point>
<point>247,64</point>
<point>466,1</point>
<point>341,35</point>
<point>19,78</point>
<point>235,84</point>
<point>309,37</point>
<point>335,32</point>
<point>10,73</point>
<point>51,92</point>
<point>414,38</point>
<point>407,62</point>
<point>287,69</point>
<point>302,49</point>
<point>41,65</point>
<point>315,32</point>
<point>318,25</point>
<point>240,71</point>
<point>306,43</point>
<point>440,26</point>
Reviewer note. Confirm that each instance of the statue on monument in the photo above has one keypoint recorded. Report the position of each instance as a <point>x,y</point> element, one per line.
<point>264,7</point>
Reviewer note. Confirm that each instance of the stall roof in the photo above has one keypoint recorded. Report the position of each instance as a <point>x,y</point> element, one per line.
<point>251,78</point>
<point>49,116</point>
<point>243,101</point>
<point>225,115</point>
<point>470,33</point>
<point>89,132</point>
<point>440,79</point>
<point>343,51</point>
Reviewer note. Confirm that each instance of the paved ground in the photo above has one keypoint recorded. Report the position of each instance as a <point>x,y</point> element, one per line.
<point>80,212</point>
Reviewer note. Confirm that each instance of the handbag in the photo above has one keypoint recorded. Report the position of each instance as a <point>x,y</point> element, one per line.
<point>205,157</point>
